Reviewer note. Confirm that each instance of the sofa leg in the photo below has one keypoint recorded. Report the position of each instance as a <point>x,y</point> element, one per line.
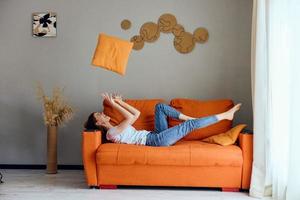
<point>230,189</point>
<point>94,187</point>
<point>107,186</point>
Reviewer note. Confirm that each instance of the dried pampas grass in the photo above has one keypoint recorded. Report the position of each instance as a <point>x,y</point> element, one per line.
<point>56,110</point>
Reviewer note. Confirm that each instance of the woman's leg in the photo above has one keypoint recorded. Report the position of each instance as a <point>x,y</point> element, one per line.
<point>172,135</point>
<point>162,111</point>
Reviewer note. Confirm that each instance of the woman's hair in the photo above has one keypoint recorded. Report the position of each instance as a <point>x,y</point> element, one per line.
<point>90,125</point>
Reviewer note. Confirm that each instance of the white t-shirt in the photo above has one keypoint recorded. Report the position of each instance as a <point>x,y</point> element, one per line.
<point>128,136</point>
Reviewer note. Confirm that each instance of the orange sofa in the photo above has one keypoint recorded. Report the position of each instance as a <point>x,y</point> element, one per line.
<point>190,162</point>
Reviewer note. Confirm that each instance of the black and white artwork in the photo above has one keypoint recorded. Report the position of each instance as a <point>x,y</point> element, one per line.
<point>44,24</point>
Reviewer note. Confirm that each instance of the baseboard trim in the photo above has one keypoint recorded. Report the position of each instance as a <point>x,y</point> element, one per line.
<point>16,166</point>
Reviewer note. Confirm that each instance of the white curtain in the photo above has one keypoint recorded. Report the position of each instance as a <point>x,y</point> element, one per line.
<point>276,98</point>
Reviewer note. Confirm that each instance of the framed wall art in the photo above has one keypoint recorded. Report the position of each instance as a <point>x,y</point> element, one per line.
<point>44,24</point>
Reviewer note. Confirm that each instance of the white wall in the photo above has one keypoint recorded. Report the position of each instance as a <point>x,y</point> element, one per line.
<point>217,69</point>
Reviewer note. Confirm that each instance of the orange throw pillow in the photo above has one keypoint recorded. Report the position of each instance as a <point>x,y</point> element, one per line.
<point>112,53</point>
<point>226,138</point>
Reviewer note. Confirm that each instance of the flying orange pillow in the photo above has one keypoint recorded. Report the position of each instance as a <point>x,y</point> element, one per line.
<point>112,53</point>
<point>226,138</point>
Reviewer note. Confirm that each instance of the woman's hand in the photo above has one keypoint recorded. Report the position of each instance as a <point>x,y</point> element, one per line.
<point>108,98</point>
<point>117,98</point>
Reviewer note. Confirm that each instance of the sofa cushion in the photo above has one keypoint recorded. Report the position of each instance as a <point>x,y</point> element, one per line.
<point>183,153</point>
<point>227,138</point>
<point>197,108</point>
<point>145,106</point>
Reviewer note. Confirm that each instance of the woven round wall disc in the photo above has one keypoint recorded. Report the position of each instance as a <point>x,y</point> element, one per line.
<point>125,24</point>
<point>166,22</point>
<point>177,30</point>
<point>138,42</point>
<point>201,35</point>
<point>184,43</point>
<point>149,32</point>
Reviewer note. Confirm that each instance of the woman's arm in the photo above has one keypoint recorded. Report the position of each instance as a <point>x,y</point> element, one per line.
<point>135,112</point>
<point>125,113</point>
<point>129,118</point>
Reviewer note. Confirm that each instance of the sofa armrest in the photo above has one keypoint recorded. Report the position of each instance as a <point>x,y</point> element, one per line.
<point>246,144</point>
<point>91,140</point>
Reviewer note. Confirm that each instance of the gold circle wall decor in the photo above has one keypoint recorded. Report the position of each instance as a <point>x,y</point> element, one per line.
<point>184,43</point>
<point>138,42</point>
<point>177,30</point>
<point>125,24</point>
<point>201,35</point>
<point>166,22</point>
<point>149,32</point>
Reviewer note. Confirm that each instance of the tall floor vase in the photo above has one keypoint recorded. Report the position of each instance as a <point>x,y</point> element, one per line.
<point>51,149</point>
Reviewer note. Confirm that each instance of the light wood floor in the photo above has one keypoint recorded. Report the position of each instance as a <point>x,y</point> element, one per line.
<point>70,184</point>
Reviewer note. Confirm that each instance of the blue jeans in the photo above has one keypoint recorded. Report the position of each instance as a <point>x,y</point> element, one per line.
<point>164,136</point>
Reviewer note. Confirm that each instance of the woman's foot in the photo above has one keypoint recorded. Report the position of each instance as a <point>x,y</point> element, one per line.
<point>230,113</point>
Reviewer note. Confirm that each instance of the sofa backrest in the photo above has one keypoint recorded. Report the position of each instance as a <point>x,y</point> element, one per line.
<point>145,106</point>
<point>198,108</point>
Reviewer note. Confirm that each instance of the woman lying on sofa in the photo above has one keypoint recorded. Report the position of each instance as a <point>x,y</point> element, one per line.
<point>125,133</point>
